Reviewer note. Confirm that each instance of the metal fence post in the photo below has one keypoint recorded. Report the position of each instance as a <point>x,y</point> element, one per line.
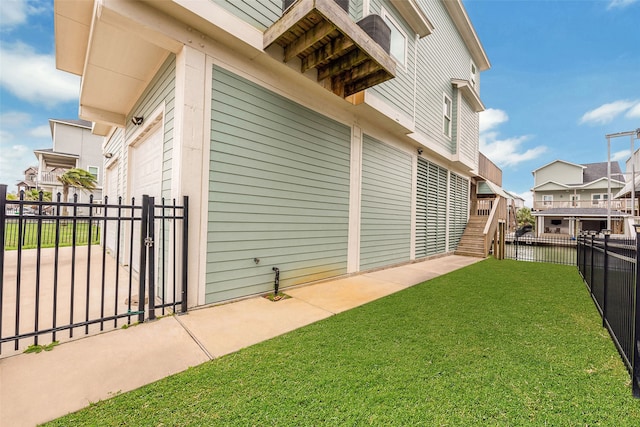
<point>150,243</point>
<point>635,363</point>
<point>3,220</point>
<point>607,234</point>
<point>185,246</point>
<point>142,272</point>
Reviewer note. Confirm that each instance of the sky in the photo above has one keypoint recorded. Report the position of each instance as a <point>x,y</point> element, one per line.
<point>564,73</point>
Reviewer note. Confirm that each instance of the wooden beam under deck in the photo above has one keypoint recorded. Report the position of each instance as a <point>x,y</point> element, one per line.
<point>323,36</point>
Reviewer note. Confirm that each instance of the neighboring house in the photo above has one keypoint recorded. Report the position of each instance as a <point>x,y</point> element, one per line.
<point>569,198</point>
<point>30,181</point>
<point>74,146</point>
<point>514,203</point>
<point>304,141</point>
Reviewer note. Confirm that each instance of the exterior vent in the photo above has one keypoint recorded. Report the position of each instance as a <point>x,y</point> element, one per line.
<point>342,3</point>
<point>378,30</point>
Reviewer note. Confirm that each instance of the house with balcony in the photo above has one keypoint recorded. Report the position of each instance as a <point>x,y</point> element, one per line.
<point>73,146</point>
<point>569,198</point>
<point>321,137</point>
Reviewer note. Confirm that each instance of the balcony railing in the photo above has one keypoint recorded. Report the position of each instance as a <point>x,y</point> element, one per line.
<point>487,169</point>
<point>618,204</point>
<point>50,177</point>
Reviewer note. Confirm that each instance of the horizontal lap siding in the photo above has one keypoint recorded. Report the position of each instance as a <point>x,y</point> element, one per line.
<point>441,56</point>
<point>468,136</point>
<point>259,13</point>
<point>399,91</point>
<point>385,237</point>
<point>458,208</point>
<point>279,191</point>
<point>431,209</point>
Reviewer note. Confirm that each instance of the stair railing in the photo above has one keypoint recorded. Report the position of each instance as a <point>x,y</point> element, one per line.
<point>498,212</point>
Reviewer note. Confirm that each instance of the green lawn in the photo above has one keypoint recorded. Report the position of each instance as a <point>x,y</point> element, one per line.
<point>48,234</point>
<point>499,343</point>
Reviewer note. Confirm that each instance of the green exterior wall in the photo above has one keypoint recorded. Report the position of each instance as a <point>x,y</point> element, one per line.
<point>278,191</point>
<point>385,236</point>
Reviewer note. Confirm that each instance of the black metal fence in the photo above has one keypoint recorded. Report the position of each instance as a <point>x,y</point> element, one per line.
<point>555,250</point>
<point>609,268</point>
<point>83,267</point>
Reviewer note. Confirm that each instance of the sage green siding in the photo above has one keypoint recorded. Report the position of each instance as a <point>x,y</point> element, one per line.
<point>467,134</point>
<point>441,56</point>
<point>259,13</point>
<point>262,13</point>
<point>278,191</point>
<point>385,236</point>
<point>458,208</point>
<point>399,91</point>
<point>431,209</point>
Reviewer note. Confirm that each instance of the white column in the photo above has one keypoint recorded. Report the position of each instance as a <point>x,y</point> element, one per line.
<point>355,198</point>
<point>188,168</point>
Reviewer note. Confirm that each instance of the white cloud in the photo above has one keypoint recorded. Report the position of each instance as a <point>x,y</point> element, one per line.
<point>620,155</point>
<point>43,131</point>
<point>607,112</point>
<point>613,4</point>
<point>12,155</point>
<point>507,151</point>
<point>33,77</point>
<point>13,119</point>
<point>634,112</point>
<point>490,118</point>
<point>15,12</point>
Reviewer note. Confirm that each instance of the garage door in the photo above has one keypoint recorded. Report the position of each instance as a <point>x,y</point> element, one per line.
<point>278,191</point>
<point>385,236</point>
<point>145,169</point>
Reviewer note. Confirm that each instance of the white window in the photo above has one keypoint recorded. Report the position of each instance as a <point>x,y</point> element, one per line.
<point>93,170</point>
<point>599,199</point>
<point>575,200</point>
<point>398,39</point>
<point>547,199</point>
<point>446,115</point>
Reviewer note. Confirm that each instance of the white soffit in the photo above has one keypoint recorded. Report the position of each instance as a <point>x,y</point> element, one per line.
<point>72,23</point>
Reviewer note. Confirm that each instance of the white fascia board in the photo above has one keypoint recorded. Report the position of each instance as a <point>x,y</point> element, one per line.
<point>432,147</point>
<point>386,109</point>
<point>469,93</point>
<point>537,187</point>
<point>415,16</point>
<point>593,184</point>
<point>461,20</point>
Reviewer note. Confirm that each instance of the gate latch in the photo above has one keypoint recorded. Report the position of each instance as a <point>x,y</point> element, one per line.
<point>148,242</point>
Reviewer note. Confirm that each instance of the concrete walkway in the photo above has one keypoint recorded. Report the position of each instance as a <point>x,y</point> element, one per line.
<point>35,388</point>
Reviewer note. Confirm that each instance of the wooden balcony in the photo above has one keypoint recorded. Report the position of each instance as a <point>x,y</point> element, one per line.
<point>323,36</point>
<point>617,204</point>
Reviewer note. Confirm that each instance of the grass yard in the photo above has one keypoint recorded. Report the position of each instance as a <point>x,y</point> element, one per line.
<point>48,234</point>
<point>500,343</point>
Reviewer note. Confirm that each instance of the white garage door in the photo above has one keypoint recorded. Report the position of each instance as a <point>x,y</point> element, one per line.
<point>145,177</point>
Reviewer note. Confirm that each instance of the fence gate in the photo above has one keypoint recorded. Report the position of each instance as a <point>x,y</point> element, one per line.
<point>68,267</point>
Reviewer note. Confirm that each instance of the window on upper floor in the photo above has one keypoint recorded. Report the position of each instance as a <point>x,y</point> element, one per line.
<point>93,170</point>
<point>547,199</point>
<point>446,115</point>
<point>398,39</point>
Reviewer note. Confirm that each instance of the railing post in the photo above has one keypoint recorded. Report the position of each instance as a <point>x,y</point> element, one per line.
<point>635,363</point>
